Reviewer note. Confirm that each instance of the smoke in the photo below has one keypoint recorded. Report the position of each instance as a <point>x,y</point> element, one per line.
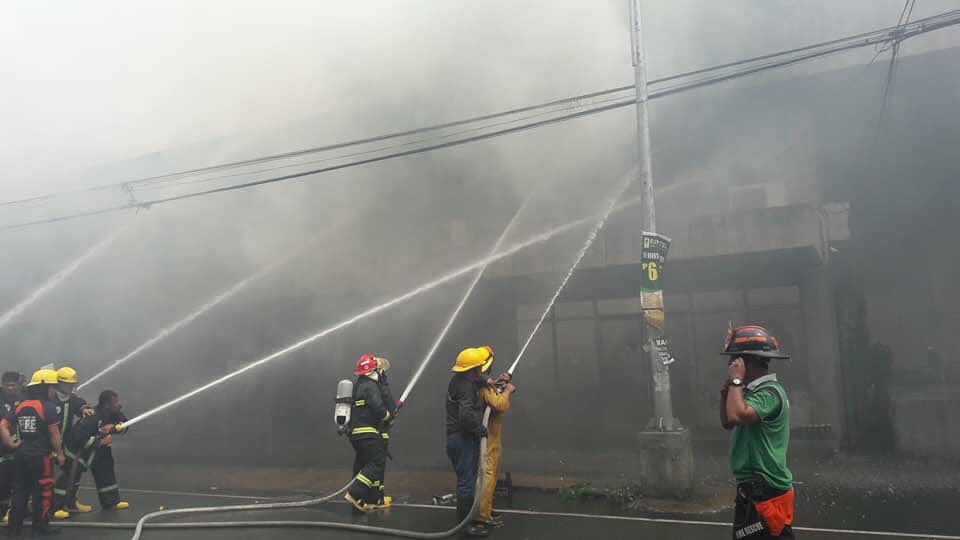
<point>174,86</point>
<point>56,279</point>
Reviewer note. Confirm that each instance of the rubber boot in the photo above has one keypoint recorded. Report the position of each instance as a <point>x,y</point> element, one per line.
<point>79,508</point>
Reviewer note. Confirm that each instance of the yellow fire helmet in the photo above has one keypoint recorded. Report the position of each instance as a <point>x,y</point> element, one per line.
<point>470,358</point>
<point>488,363</point>
<point>67,375</point>
<point>43,376</point>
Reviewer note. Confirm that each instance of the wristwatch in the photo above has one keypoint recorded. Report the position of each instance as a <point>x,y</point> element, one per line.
<point>736,381</point>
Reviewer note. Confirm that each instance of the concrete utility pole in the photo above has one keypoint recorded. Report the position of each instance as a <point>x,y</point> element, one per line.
<point>663,419</point>
<point>665,456</point>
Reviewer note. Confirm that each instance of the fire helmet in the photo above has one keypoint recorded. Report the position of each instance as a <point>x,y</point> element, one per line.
<point>366,365</point>
<point>488,363</point>
<point>472,357</point>
<point>43,376</point>
<point>67,375</point>
<point>752,341</point>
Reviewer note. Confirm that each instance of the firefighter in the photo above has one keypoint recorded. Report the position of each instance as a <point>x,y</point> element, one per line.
<point>37,422</point>
<point>70,408</point>
<point>754,405</point>
<point>465,428</point>
<point>373,410</point>
<point>11,394</point>
<point>496,395</point>
<point>90,446</point>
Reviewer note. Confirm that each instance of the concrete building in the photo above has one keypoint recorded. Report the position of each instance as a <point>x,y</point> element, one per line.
<point>771,241</point>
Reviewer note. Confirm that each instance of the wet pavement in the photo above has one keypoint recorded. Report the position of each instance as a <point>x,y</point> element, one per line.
<point>521,524</point>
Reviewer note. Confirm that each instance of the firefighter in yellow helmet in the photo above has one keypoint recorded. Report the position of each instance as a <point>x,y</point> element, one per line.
<point>38,424</point>
<point>496,394</point>
<point>465,428</point>
<point>70,409</point>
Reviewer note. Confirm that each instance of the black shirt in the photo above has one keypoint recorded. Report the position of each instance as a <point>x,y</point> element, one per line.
<point>69,410</point>
<point>85,433</point>
<point>465,405</point>
<point>8,411</point>
<point>371,412</point>
<point>33,420</point>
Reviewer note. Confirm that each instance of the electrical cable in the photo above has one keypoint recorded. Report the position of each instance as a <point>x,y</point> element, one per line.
<point>932,23</point>
<point>367,152</point>
<point>565,102</point>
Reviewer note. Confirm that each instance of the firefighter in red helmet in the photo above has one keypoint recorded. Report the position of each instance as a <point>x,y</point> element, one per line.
<point>754,405</point>
<point>373,410</point>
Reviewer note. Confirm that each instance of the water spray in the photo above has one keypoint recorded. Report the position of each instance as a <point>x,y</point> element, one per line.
<point>611,206</point>
<point>542,237</point>
<point>58,278</point>
<point>463,302</point>
<point>237,287</point>
<point>210,304</point>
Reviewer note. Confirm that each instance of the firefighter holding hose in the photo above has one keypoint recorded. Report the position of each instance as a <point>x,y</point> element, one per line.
<point>89,445</point>
<point>70,409</point>
<point>496,395</point>
<point>371,414</point>
<point>465,406</point>
<point>754,405</point>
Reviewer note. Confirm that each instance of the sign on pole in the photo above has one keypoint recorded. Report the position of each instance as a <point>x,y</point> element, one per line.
<point>653,260</point>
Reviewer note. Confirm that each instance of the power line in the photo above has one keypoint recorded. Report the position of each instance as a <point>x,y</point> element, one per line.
<point>335,146</point>
<point>900,33</point>
<point>565,101</point>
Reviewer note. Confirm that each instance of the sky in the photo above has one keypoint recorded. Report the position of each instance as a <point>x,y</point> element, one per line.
<point>95,82</point>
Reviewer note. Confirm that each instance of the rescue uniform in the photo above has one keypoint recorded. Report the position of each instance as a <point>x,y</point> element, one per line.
<point>758,457</point>
<point>8,412</point>
<point>83,450</point>
<point>464,422</point>
<point>499,404</point>
<point>33,464</point>
<point>369,432</point>
<point>70,410</point>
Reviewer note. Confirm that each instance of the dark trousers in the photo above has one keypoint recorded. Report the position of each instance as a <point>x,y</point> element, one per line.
<point>369,467</point>
<point>33,479</point>
<point>464,453</point>
<point>7,470</point>
<point>747,522</point>
<point>100,462</point>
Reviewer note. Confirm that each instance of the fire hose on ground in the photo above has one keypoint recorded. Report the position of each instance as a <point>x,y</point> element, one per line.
<point>142,524</point>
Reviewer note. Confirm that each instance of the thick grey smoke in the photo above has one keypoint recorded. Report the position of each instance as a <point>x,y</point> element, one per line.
<point>151,90</point>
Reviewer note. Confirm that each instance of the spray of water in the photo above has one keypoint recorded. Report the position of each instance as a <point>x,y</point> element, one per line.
<point>611,206</point>
<point>237,287</point>
<point>463,302</point>
<point>542,237</point>
<point>210,304</point>
<point>57,278</point>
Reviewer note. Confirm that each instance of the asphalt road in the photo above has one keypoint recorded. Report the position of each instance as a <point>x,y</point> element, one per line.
<point>520,524</point>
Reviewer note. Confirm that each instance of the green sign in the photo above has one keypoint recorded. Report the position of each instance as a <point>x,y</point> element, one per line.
<point>653,259</point>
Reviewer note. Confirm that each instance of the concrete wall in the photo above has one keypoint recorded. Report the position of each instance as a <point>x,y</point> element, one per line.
<point>928,426</point>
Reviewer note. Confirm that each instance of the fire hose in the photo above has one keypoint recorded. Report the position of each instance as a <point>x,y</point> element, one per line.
<point>142,523</point>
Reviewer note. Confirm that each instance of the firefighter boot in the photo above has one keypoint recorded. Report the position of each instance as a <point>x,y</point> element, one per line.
<point>61,514</point>
<point>80,508</point>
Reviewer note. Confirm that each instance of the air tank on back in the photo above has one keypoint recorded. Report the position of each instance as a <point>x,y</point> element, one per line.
<point>344,402</point>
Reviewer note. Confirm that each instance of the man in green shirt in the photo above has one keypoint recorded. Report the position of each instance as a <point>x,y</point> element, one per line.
<point>755,407</point>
